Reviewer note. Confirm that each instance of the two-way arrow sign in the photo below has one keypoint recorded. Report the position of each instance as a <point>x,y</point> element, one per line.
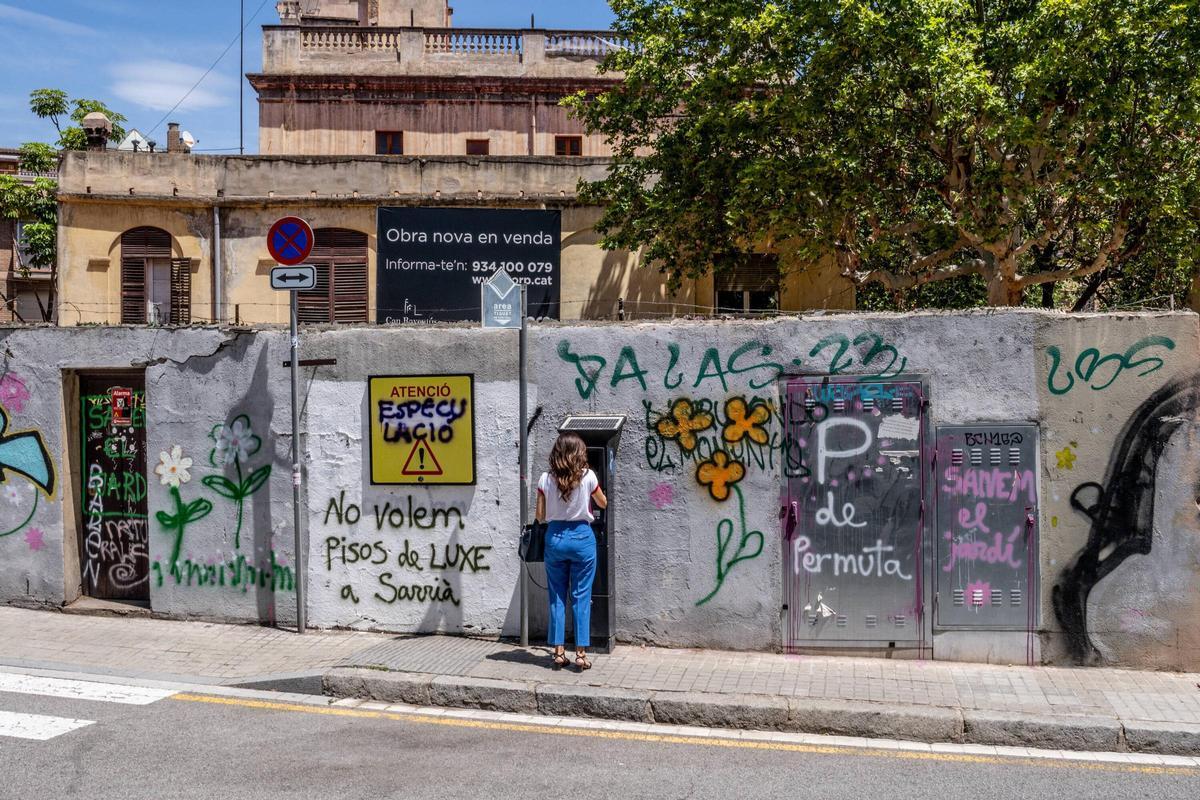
<point>293,279</point>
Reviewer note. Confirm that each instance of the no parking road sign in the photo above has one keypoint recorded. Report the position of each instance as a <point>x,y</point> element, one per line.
<point>290,241</point>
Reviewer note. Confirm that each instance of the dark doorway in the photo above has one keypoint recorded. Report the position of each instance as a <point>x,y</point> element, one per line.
<point>114,533</point>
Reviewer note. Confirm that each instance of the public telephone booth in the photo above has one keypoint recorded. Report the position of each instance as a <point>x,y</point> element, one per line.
<point>601,433</point>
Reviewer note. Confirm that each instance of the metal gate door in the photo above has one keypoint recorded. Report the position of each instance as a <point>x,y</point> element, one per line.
<point>986,571</point>
<point>114,554</point>
<point>854,523</point>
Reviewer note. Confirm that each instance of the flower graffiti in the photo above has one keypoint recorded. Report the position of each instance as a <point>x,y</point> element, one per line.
<point>749,546</point>
<point>684,421</point>
<point>720,474</point>
<point>746,421</point>
<point>172,471</point>
<point>35,538</point>
<point>13,392</point>
<point>234,444</point>
<point>1066,458</point>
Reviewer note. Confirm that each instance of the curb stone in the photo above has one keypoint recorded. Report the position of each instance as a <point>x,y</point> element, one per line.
<point>761,712</point>
<point>875,720</point>
<point>411,688</point>
<point>485,693</point>
<point>1053,732</point>
<point>602,702</point>
<point>769,712</point>
<point>1168,738</point>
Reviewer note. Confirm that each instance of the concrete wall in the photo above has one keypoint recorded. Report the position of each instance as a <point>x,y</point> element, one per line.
<point>1115,398</point>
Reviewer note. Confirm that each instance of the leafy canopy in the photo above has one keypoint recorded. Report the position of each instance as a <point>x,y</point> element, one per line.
<point>1019,141</point>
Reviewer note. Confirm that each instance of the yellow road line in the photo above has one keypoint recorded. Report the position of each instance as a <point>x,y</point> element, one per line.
<point>632,736</point>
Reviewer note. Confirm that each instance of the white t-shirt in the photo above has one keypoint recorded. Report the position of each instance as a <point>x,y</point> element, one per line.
<point>578,506</point>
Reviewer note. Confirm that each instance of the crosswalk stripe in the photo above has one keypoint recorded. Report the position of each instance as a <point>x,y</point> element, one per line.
<point>37,726</point>
<point>81,690</point>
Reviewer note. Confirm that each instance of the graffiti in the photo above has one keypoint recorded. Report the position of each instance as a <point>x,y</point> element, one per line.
<point>1066,458</point>
<point>236,574</point>
<point>234,444</point>
<point>836,355</point>
<point>394,517</point>
<point>35,538</point>
<point>440,592</point>
<point>989,484</point>
<point>840,363</point>
<point>173,473</point>
<point>695,430</point>
<point>1121,510</point>
<point>413,420</point>
<point>451,557</point>
<point>852,518</point>
<point>116,548</point>
<point>1091,368</point>
<point>24,453</point>
<point>749,546</point>
<point>662,495</point>
<point>870,562</point>
<point>13,392</point>
<point>719,475</point>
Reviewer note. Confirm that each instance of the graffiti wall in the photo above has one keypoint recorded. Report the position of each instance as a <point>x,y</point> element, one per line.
<point>777,483</point>
<point>1119,402</point>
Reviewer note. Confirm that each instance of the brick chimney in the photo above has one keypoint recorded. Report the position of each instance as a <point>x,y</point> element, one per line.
<point>174,143</point>
<point>97,128</point>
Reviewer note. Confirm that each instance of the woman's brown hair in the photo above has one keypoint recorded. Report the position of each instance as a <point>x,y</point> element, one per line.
<point>568,463</point>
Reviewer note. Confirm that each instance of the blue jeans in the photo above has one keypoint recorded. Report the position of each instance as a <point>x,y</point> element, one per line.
<point>570,556</point>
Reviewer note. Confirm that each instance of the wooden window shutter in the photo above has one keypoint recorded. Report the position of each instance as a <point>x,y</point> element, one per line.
<point>138,246</point>
<point>340,259</point>
<point>181,291</point>
<point>758,273</point>
<point>133,291</point>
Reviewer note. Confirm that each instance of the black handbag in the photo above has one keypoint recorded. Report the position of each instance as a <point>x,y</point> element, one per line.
<point>533,542</point>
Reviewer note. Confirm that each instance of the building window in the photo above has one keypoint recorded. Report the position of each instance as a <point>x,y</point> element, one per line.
<point>20,246</point>
<point>389,143</point>
<point>340,259</point>
<point>748,288</point>
<point>568,145</point>
<point>478,147</point>
<point>155,288</point>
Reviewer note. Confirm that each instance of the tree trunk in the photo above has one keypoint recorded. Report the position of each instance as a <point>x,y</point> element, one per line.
<point>1003,291</point>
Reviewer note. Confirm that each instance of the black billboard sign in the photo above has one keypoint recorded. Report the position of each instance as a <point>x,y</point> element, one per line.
<point>433,262</point>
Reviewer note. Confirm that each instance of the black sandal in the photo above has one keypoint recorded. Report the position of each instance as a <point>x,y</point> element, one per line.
<point>560,660</point>
<point>581,661</point>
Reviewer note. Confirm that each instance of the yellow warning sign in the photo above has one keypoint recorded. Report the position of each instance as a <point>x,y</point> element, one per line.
<point>422,429</point>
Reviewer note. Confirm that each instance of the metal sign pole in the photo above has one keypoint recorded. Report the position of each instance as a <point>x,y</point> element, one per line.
<point>523,433</point>
<point>296,472</point>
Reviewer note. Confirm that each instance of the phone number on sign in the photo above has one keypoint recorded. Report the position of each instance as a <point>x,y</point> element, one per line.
<point>519,267</point>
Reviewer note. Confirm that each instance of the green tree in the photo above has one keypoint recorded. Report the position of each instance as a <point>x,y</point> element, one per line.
<point>34,202</point>
<point>1023,142</point>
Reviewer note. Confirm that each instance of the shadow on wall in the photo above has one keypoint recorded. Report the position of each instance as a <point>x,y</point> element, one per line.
<point>622,277</point>
<point>1122,510</point>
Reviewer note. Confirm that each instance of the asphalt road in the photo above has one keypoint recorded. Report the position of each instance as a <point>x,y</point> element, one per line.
<point>199,745</point>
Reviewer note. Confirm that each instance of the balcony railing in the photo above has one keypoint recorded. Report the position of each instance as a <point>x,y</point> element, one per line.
<point>465,42</point>
<point>584,44</point>
<point>474,42</point>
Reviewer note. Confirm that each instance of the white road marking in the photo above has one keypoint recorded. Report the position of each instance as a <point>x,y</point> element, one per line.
<point>81,690</point>
<point>37,726</point>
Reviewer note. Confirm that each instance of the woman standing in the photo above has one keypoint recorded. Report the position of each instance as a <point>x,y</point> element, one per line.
<point>565,495</point>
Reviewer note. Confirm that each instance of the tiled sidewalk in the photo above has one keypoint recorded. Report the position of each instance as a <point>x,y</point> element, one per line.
<point>1127,694</point>
<point>201,651</point>
<point>233,653</point>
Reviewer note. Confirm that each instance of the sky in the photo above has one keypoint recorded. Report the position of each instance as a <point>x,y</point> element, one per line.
<point>141,57</point>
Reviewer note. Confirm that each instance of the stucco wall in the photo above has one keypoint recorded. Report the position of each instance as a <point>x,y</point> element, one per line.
<point>695,567</point>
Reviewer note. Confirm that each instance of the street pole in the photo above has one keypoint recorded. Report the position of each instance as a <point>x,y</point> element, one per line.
<point>296,472</point>
<point>242,78</point>
<point>523,433</point>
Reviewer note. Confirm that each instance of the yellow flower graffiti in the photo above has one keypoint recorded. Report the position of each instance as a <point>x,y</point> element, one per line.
<point>1066,458</point>
<point>719,474</point>
<point>746,421</point>
<point>683,423</point>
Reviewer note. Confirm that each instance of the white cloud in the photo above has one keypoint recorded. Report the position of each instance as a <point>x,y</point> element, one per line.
<point>159,85</point>
<point>32,19</point>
